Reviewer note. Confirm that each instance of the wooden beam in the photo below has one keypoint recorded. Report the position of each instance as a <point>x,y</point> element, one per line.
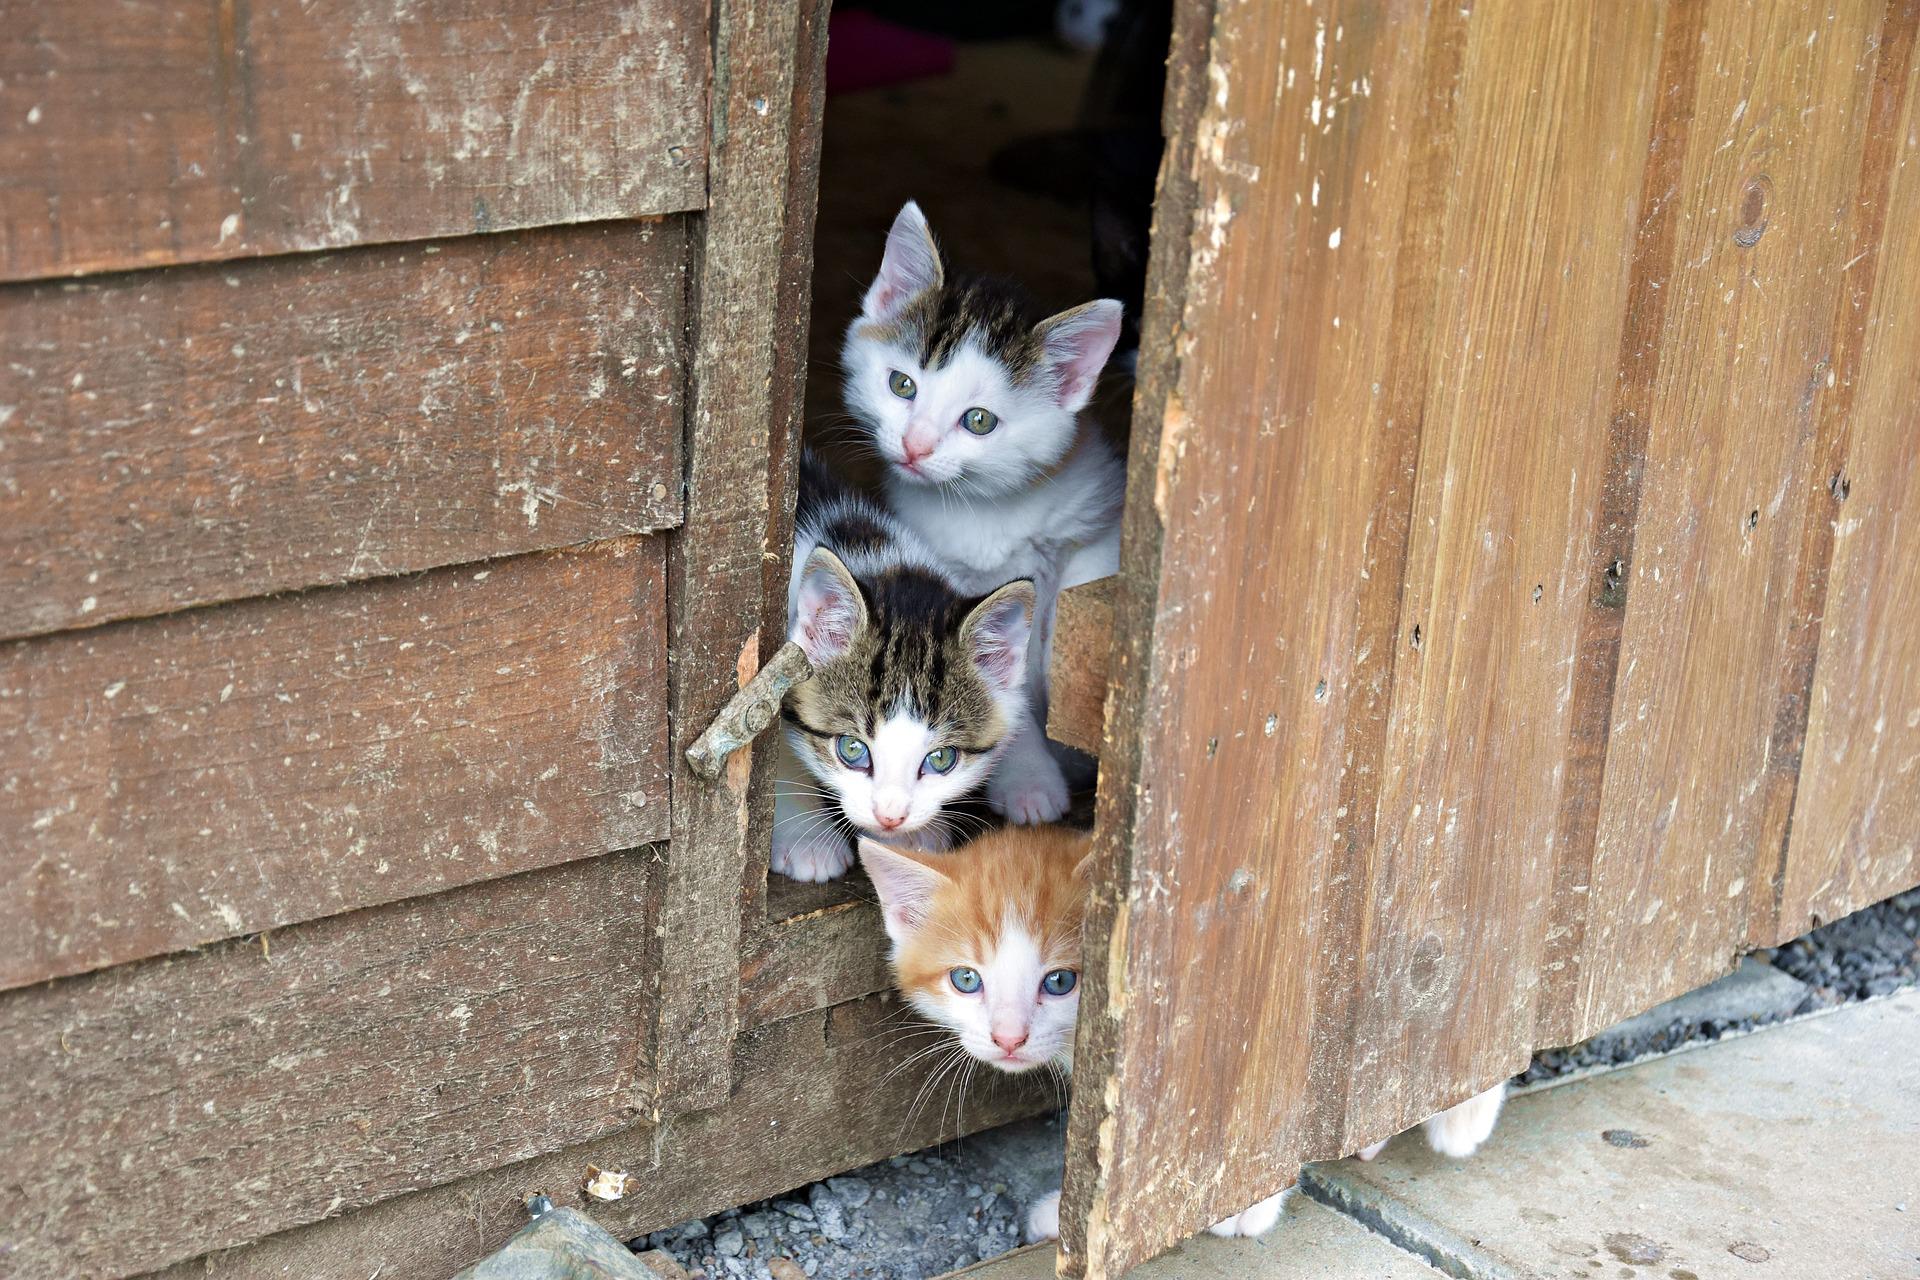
<point>1082,653</point>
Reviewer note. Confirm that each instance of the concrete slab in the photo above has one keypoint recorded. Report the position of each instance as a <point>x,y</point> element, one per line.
<point>1794,1152</point>
<point>1311,1240</point>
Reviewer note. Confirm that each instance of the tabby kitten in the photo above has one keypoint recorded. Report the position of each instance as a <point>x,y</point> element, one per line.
<point>974,405</point>
<point>915,686</point>
<point>986,942</point>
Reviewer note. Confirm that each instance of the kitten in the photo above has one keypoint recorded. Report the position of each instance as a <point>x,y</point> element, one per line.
<point>974,406</point>
<point>915,686</point>
<point>986,943</point>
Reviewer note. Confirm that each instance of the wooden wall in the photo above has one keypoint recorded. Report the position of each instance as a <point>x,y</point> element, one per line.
<point>1515,622</point>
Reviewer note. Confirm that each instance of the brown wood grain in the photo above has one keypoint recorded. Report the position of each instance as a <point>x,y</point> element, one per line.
<point>224,771</point>
<point>1450,638</point>
<point>726,587</point>
<point>1077,671</point>
<point>1749,345</point>
<point>1855,835</point>
<point>160,1110</point>
<point>1556,103</point>
<point>828,956</point>
<point>193,130</point>
<point>816,1095</point>
<point>1254,465</point>
<point>178,437</point>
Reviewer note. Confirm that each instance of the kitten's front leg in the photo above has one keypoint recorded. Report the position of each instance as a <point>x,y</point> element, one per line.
<point>1027,785</point>
<point>1043,1218</point>
<point>1458,1131</point>
<point>1255,1220</point>
<point>807,840</point>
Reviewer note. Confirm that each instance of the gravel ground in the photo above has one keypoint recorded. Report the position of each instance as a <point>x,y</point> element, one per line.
<point>907,1218</point>
<point>914,1217</point>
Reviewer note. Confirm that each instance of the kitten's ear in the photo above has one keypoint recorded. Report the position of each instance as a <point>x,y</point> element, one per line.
<point>910,266</point>
<point>1083,869</point>
<point>905,884</point>
<point>995,634</point>
<point>1077,344</point>
<point>830,611</point>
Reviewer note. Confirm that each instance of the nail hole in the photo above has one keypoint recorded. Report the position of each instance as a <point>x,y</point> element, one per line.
<point>1753,520</point>
<point>1839,486</point>
<point>1539,589</point>
<point>1320,692</point>
<point>1416,635</point>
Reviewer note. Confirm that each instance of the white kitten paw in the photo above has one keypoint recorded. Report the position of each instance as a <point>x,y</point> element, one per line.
<point>1368,1153</point>
<point>1458,1131</point>
<point>1034,794</point>
<point>815,855</point>
<point>1043,1218</point>
<point>1255,1220</point>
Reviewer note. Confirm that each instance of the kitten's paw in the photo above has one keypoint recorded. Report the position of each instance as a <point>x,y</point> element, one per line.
<point>1368,1153</point>
<point>1043,1218</point>
<point>1037,794</point>
<point>814,856</point>
<point>1458,1131</point>
<point>1255,1220</point>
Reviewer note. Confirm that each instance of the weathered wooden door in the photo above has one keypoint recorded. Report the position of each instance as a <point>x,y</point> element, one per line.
<point>1522,554</point>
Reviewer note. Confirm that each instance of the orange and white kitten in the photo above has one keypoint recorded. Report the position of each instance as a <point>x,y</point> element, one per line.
<point>986,942</point>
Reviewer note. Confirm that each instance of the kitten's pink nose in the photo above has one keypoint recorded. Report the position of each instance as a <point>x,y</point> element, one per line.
<point>888,821</point>
<point>1009,1040</point>
<point>913,454</point>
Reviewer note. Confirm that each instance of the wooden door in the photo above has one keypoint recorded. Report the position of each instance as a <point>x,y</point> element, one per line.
<point>1521,552</point>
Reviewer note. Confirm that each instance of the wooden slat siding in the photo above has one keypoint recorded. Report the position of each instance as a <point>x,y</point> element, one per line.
<point>189,1103</point>
<point>1856,818</point>
<point>1610,540</point>
<point>752,266</point>
<point>174,781</point>
<point>1078,668</point>
<point>1556,104</point>
<point>1749,346</point>
<point>816,1095</point>
<point>195,130</point>
<point>832,955</point>
<point>181,437</point>
<point>1219,836</point>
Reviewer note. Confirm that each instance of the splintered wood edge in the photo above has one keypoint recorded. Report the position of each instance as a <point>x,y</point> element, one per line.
<point>1077,671</point>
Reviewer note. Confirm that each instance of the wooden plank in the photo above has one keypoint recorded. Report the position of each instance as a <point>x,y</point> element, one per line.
<point>189,1103</point>
<point>726,567</point>
<point>224,771</point>
<point>1555,107</point>
<point>817,1095</point>
<point>1217,838</point>
<point>1078,668</point>
<point>1856,819</point>
<point>1749,345</point>
<point>181,437</point>
<point>829,956</point>
<point>1610,540</point>
<point>192,130</point>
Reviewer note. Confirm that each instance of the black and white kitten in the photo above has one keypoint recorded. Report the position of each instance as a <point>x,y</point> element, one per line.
<point>916,686</point>
<point>974,405</point>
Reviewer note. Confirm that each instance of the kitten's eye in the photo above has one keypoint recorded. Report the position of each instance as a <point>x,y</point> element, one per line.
<point>964,980</point>
<point>941,759</point>
<point>979,421</point>
<point>853,753</point>
<point>901,385</point>
<point>1059,982</point>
